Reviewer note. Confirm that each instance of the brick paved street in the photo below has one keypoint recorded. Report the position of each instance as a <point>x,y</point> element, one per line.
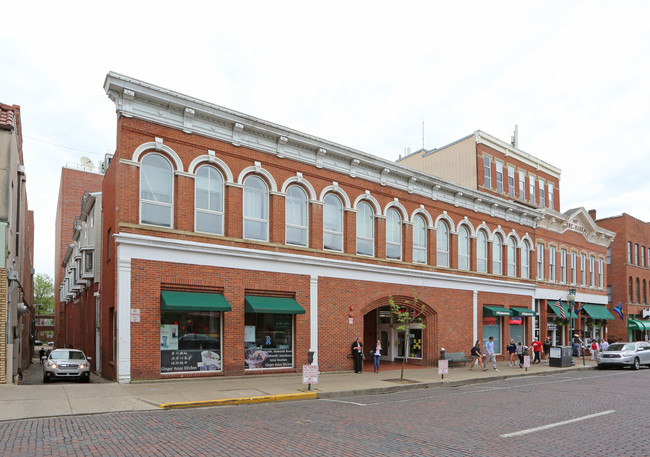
<point>446,421</point>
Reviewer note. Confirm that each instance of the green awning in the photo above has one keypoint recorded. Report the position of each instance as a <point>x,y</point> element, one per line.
<point>495,311</point>
<point>598,312</point>
<point>523,312</point>
<point>172,300</point>
<point>557,311</point>
<point>638,325</point>
<point>275,305</point>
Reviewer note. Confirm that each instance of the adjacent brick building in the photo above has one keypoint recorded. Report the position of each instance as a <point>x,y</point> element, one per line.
<point>232,245</point>
<point>628,275</point>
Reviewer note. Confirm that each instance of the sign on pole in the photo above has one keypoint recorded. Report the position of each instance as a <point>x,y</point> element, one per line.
<point>310,374</point>
<point>443,367</point>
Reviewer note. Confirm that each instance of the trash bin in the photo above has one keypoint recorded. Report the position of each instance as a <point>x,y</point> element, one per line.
<point>560,356</point>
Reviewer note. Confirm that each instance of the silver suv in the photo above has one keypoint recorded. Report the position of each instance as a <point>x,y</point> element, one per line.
<point>633,354</point>
<point>66,364</point>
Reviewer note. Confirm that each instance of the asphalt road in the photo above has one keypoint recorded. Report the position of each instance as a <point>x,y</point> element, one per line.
<point>594,413</point>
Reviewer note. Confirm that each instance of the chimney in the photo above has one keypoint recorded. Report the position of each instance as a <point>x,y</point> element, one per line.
<point>592,213</point>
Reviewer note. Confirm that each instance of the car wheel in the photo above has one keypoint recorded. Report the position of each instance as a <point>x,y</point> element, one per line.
<point>636,364</point>
<point>46,379</point>
<point>601,366</point>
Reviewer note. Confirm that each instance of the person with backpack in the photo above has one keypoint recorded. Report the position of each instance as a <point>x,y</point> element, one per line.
<point>477,357</point>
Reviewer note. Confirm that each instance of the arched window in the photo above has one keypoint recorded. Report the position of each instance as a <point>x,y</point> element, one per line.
<point>256,209</point>
<point>442,242</point>
<point>419,240</point>
<point>365,229</point>
<point>295,215</point>
<point>208,200</point>
<point>497,255</point>
<point>631,287</point>
<point>481,252</point>
<point>156,190</point>
<point>393,235</point>
<point>332,223</point>
<point>463,248</point>
<point>512,257</point>
<point>525,260</point>
<point>638,291</point>
<point>644,293</point>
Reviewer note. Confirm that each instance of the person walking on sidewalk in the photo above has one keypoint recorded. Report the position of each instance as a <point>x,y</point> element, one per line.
<point>594,349</point>
<point>521,350</point>
<point>377,355</point>
<point>512,353</point>
<point>537,350</point>
<point>357,354</point>
<point>489,353</point>
<point>477,357</point>
<point>577,344</point>
<point>547,348</point>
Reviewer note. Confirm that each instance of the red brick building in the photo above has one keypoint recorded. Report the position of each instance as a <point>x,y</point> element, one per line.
<point>628,275</point>
<point>75,182</point>
<point>232,245</point>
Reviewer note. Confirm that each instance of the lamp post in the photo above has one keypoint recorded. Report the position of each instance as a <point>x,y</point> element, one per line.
<point>571,297</point>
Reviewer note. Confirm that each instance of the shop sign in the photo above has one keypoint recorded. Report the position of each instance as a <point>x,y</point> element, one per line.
<point>268,358</point>
<point>310,374</point>
<point>551,327</point>
<point>489,321</point>
<point>173,361</point>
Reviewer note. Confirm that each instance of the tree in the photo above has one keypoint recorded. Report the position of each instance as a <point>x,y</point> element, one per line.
<point>43,294</point>
<point>407,314</point>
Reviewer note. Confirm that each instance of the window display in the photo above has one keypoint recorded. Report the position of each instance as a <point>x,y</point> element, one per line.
<point>190,341</point>
<point>268,340</point>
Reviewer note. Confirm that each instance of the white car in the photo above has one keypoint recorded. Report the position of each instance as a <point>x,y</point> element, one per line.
<point>66,364</point>
<point>632,354</point>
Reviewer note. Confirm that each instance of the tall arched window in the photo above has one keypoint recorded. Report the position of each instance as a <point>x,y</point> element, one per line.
<point>442,242</point>
<point>631,287</point>
<point>156,190</point>
<point>525,260</point>
<point>332,223</point>
<point>296,216</point>
<point>644,293</point>
<point>497,255</point>
<point>419,240</point>
<point>256,209</point>
<point>365,229</point>
<point>393,235</point>
<point>638,291</point>
<point>208,200</point>
<point>512,257</point>
<point>463,248</point>
<point>481,252</point>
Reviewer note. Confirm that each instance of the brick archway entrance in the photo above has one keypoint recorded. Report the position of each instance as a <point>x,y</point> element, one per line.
<point>380,323</point>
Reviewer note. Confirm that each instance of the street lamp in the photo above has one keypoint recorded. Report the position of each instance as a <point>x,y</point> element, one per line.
<point>571,297</point>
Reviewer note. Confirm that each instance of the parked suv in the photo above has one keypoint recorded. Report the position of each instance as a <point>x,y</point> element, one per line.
<point>66,364</point>
<point>621,354</point>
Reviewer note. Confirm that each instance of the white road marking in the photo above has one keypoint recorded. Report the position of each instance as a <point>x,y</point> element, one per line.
<point>557,424</point>
<point>346,402</point>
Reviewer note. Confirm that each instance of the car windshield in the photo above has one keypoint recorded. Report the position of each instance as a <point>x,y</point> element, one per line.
<point>621,347</point>
<point>72,355</point>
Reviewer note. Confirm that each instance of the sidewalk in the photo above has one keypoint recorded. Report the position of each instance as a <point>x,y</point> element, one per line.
<point>100,396</point>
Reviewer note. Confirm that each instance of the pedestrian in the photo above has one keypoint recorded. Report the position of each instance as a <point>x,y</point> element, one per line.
<point>512,353</point>
<point>521,351</point>
<point>477,357</point>
<point>357,355</point>
<point>377,355</point>
<point>489,353</point>
<point>547,348</point>
<point>603,345</point>
<point>537,350</point>
<point>41,355</point>
<point>577,344</point>
<point>594,349</point>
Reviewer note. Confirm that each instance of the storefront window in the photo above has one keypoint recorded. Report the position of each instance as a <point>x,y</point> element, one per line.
<point>492,327</point>
<point>269,340</point>
<point>190,341</point>
<point>415,343</point>
<point>517,329</point>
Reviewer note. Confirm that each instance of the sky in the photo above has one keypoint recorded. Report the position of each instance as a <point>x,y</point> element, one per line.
<point>380,77</point>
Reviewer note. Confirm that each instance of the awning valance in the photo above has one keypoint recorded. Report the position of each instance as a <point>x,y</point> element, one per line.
<point>172,300</point>
<point>523,312</point>
<point>598,312</point>
<point>275,305</point>
<point>495,311</point>
<point>638,325</point>
<point>551,304</point>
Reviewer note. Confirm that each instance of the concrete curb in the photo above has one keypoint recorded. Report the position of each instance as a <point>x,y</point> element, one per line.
<point>357,392</point>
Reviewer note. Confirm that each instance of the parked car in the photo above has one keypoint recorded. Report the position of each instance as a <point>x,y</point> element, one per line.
<point>632,354</point>
<point>38,343</point>
<point>66,364</point>
<point>197,341</point>
<point>51,343</point>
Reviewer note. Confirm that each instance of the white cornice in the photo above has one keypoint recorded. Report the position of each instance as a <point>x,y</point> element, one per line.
<point>577,220</point>
<point>145,101</point>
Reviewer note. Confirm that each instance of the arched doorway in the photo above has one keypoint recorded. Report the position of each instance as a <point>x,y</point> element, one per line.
<point>380,323</point>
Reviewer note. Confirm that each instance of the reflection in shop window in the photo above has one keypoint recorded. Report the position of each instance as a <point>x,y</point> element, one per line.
<point>190,341</point>
<point>268,340</point>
